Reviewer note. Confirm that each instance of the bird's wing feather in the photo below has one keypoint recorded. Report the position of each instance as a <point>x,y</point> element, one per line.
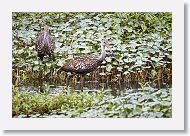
<point>45,44</point>
<point>81,64</point>
<point>86,63</point>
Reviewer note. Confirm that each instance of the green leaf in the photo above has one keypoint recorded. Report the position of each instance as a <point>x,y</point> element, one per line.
<point>36,68</point>
<point>109,67</point>
<point>108,59</point>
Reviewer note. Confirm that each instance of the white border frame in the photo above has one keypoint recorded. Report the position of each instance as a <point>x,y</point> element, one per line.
<point>174,123</point>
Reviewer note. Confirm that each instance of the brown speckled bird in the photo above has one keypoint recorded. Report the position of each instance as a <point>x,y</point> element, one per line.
<point>86,63</point>
<point>44,45</point>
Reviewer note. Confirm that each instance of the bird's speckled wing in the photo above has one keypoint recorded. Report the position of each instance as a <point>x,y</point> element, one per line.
<point>82,64</point>
<point>39,42</point>
<point>44,45</point>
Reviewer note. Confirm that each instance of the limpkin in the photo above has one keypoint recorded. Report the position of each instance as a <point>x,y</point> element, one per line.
<point>86,63</point>
<point>44,45</point>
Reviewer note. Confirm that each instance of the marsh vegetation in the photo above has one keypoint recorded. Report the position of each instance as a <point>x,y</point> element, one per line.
<point>135,80</point>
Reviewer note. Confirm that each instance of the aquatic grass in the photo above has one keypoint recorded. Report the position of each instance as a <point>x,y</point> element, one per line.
<point>32,103</point>
<point>146,103</point>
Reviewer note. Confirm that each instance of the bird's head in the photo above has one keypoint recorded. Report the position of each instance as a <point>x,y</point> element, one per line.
<point>105,44</point>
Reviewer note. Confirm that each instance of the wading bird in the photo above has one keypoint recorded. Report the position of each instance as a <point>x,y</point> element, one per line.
<point>86,63</point>
<point>44,45</point>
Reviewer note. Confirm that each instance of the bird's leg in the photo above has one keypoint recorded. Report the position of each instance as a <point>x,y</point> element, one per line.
<point>69,79</point>
<point>51,57</point>
<point>66,79</point>
<point>41,56</point>
<point>82,82</point>
<point>72,77</point>
<point>44,70</point>
<point>40,78</point>
<point>40,73</point>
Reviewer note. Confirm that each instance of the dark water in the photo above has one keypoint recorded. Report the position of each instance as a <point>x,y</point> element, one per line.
<point>115,88</point>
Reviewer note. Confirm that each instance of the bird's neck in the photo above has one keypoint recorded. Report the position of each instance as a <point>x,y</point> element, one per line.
<point>103,54</point>
<point>45,33</point>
